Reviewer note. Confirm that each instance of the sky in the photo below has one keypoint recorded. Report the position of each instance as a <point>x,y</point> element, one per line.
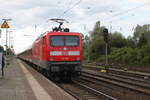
<point>30,18</point>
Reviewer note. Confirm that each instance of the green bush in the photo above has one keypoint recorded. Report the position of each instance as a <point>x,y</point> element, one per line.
<point>134,56</point>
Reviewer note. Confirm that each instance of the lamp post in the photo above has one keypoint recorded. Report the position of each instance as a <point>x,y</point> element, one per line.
<point>11,41</point>
<point>9,35</point>
<point>0,32</point>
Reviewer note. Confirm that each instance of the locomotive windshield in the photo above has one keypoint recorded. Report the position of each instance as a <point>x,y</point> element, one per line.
<point>57,40</point>
<point>71,40</point>
<point>64,40</point>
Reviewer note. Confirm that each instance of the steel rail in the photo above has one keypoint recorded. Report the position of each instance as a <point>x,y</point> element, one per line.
<point>69,92</point>
<point>127,81</point>
<point>129,77</point>
<point>120,83</point>
<point>98,92</point>
<point>119,70</point>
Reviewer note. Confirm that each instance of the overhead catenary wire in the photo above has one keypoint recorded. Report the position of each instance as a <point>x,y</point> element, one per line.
<point>70,8</point>
<point>128,10</point>
<point>69,4</point>
<point>124,12</point>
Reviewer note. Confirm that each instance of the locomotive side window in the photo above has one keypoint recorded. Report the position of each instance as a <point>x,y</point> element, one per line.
<point>71,40</point>
<point>57,40</point>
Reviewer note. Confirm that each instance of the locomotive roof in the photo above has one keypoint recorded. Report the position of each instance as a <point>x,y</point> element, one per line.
<point>64,33</point>
<point>57,33</point>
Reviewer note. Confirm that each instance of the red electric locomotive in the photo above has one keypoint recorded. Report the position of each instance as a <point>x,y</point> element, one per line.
<point>57,54</point>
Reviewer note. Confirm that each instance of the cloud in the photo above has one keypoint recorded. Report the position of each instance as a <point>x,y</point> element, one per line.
<point>25,14</point>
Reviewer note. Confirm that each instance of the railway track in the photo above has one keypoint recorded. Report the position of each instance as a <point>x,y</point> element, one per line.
<point>83,92</point>
<point>124,72</point>
<point>136,74</point>
<point>129,78</point>
<point>88,87</point>
<point>133,84</point>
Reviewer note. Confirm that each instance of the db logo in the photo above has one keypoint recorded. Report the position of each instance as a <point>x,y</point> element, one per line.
<point>64,53</point>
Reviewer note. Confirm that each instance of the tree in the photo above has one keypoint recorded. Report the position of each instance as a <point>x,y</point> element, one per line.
<point>97,28</point>
<point>130,42</point>
<point>97,45</point>
<point>1,49</point>
<point>139,30</point>
<point>142,41</point>
<point>117,40</point>
<point>85,47</point>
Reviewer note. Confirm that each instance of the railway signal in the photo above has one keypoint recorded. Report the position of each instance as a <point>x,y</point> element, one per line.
<point>105,32</point>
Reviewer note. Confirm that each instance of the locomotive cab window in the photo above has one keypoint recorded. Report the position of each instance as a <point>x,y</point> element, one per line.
<point>57,40</point>
<point>72,40</point>
<point>64,40</point>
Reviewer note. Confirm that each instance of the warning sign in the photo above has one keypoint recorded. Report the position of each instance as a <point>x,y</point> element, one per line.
<point>5,25</point>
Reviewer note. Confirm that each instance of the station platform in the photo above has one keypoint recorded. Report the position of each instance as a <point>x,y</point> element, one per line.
<point>21,82</point>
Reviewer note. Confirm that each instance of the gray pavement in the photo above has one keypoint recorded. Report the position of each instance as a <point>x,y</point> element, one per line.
<point>21,82</point>
<point>14,85</point>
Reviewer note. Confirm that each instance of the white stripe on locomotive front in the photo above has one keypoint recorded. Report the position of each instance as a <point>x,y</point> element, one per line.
<point>70,53</point>
<point>55,53</point>
<point>74,53</point>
